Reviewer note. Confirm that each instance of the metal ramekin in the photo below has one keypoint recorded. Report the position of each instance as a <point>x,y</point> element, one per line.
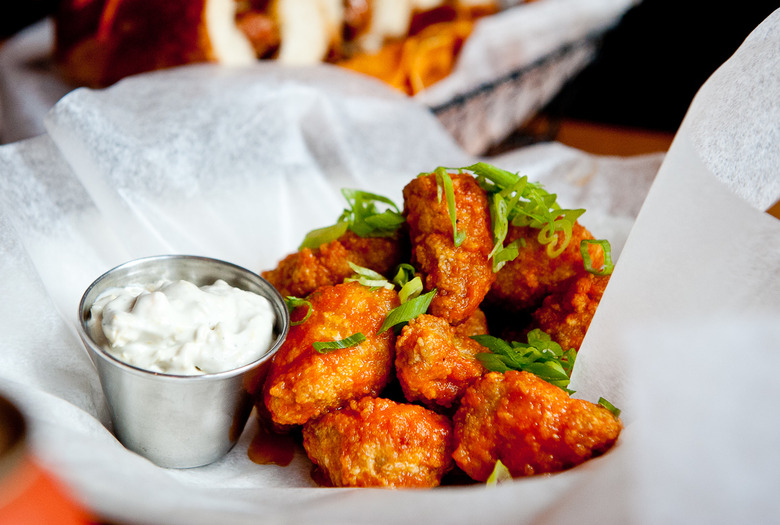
<point>174,420</point>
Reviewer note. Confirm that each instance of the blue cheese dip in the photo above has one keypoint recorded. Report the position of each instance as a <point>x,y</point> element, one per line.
<point>176,327</point>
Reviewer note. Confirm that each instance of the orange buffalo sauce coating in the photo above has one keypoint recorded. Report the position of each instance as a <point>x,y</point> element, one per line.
<point>435,364</point>
<point>462,275</point>
<point>362,428</point>
<point>533,427</point>
<point>303,383</point>
<point>524,282</point>
<point>302,272</point>
<point>566,315</point>
<point>374,442</point>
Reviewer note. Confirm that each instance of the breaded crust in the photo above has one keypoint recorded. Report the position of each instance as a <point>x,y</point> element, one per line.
<point>533,427</point>
<point>461,275</point>
<point>303,383</point>
<point>435,364</point>
<point>376,442</point>
<point>302,272</point>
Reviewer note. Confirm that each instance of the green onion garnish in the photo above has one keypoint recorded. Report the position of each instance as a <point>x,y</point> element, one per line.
<point>368,277</point>
<point>410,290</point>
<point>540,356</point>
<point>404,274</point>
<point>365,219</point>
<point>443,181</point>
<point>514,200</point>
<point>609,406</point>
<point>507,253</point>
<point>324,235</point>
<point>348,342</point>
<point>408,311</point>
<point>362,217</point>
<point>548,234</point>
<point>608,265</point>
<point>294,302</point>
<point>410,285</point>
<point>500,474</point>
<point>500,222</point>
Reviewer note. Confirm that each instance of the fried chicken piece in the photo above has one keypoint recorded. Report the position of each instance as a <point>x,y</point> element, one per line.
<point>462,275</point>
<point>434,363</point>
<point>300,273</point>
<point>376,442</point>
<point>303,383</point>
<point>475,324</point>
<point>523,283</point>
<point>532,426</point>
<point>567,315</point>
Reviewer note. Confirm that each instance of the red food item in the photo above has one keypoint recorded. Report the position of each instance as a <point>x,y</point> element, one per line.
<point>531,426</point>
<point>99,42</point>
<point>475,324</point>
<point>523,283</point>
<point>435,364</point>
<point>300,273</point>
<point>462,275</point>
<point>303,383</point>
<point>374,442</point>
<point>566,316</point>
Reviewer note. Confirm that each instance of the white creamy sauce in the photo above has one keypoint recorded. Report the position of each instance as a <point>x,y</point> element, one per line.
<point>175,327</point>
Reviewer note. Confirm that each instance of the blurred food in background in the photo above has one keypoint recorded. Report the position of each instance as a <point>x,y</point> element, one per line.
<point>410,44</point>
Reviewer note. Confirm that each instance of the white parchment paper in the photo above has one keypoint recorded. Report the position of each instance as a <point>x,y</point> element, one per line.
<point>239,164</point>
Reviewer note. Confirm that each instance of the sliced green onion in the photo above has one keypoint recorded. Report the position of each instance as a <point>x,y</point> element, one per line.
<point>324,235</point>
<point>404,274</point>
<point>540,356</point>
<point>444,181</point>
<point>500,207</point>
<point>608,265</point>
<point>363,217</point>
<point>507,253</point>
<point>500,177</point>
<point>408,311</point>
<point>514,200</point>
<point>410,290</point>
<point>609,406</point>
<point>548,234</point>
<point>348,342</point>
<point>541,340</point>
<point>550,371</point>
<point>365,272</point>
<point>567,360</point>
<point>385,221</point>
<point>499,218</point>
<point>368,277</point>
<point>493,343</point>
<point>360,198</point>
<point>294,302</point>
<point>499,475</point>
<point>493,362</point>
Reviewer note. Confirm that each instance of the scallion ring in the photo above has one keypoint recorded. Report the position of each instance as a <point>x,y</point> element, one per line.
<point>324,347</point>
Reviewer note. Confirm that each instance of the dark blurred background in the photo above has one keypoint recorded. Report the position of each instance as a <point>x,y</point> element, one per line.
<point>651,65</point>
<point>19,15</point>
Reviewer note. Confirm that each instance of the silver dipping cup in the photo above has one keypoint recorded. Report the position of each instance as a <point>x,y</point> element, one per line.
<point>174,420</point>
